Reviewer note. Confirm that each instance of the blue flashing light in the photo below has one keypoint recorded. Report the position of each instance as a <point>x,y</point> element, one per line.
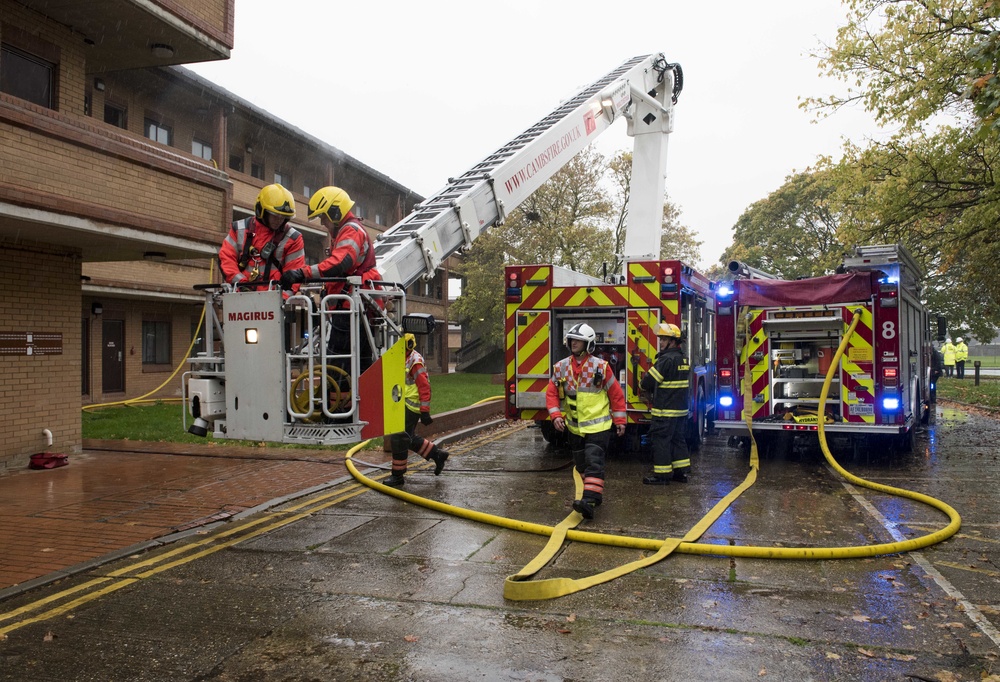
<point>724,291</point>
<point>890,403</point>
<point>726,401</point>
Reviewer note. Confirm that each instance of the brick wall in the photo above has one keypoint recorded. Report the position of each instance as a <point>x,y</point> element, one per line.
<point>40,391</point>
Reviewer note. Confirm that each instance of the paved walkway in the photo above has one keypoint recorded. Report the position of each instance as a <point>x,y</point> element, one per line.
<point>119,496</point>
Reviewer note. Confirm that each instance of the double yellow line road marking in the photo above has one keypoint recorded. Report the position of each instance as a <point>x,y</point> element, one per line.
<point>202,547</point>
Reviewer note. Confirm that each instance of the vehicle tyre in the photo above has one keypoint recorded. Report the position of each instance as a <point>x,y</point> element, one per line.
<point>698,423</point>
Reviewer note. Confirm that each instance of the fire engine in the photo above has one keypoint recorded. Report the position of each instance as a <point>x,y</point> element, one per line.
<point>269,372</point>
<point>777,338</point>
<point>543,301</point>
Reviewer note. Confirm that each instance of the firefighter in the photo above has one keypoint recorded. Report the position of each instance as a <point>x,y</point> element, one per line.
<point>262,248</point>
<point>417,390</point>
<point>668,381</point>
<point>948,351</point>
<point>585,398</point>
<point>961,355</point>
<point>351,253</point>
<point>351,250</point>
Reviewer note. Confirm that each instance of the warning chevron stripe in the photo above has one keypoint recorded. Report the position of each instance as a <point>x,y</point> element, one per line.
<point>644,293</point>
<point>589,297</point>
<point>534,297</point>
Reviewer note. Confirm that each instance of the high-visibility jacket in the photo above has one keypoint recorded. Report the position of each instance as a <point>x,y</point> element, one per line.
<point>351,253</point>
<point>289,252</point>
<point>961,352</point>
<point>586,394</point>
<point>948,351</point>
<point>417,390</point>
<point>669,381</point>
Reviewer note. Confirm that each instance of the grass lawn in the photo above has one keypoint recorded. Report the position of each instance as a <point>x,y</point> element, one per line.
<point>987,361</point>
<point>163,421</point>
<point>987,393</point>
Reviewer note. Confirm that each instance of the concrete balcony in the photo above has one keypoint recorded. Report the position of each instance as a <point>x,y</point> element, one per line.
<point>76,182</point>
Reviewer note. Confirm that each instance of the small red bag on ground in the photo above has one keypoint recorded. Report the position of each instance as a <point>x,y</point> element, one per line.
<point>48,460</point>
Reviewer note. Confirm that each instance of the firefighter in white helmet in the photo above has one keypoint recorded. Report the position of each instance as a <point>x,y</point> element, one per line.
<point>668,382</point>
<point>961,355</point>
<point>585,398</point>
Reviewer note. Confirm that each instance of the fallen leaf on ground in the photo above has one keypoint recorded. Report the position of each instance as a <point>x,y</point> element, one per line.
<point>861,619</point>
<point>865,652</point>
<point>571,618</point>
<point>49,636</point>
<point>411,638</point>
<point>832,656</point>
<point>901,657</point>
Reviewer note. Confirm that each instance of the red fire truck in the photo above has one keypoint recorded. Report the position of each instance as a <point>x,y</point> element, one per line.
<point>781,336</point>
<point>543,301</point>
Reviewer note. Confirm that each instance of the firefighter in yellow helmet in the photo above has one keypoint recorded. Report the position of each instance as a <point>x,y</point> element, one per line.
<point>417,395</point>
<point>585,398</point>
<point>668,382</point>
<point>351,250</point>
<point>261,248</point>
<point>961,355</point>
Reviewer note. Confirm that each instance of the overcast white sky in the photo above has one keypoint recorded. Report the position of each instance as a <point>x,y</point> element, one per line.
<point>421,91</point>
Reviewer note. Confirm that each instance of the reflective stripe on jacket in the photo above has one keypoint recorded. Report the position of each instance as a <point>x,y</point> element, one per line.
<point>417,391</point>
<point>669,381</point>
<point>586,407</point>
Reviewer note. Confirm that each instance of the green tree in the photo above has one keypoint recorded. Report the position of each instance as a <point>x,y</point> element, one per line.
<point>677,241</point>
<point>564,223</point>
<point>793,232</point>
<point>926,69</point>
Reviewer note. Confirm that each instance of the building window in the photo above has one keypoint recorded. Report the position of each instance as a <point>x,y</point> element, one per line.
<point>236,163</point>
<point>282,178</point>
<point>378,219</point>
<point>159,132</point>
<point>201,149</point>
<point>359,211</point>
<point>115,115</point>
<point>27,76</point>
<point>155,343</point>
<point>307,191</point>
<point>257,170</point>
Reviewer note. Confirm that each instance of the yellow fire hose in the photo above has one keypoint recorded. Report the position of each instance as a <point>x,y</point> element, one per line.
<point>517,587</point>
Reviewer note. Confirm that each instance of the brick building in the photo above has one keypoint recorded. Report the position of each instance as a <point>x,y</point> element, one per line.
<point>119,173</point>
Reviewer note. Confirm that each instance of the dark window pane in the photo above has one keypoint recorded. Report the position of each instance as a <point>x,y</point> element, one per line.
<point>115,115</point>
<point>156,343</point>
<point>236,163</point>
<point>26,76</point>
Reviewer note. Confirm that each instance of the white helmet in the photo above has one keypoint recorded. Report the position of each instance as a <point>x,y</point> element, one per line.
<point>583,332</point>
<point>960,339</point>
<point>947,339</point>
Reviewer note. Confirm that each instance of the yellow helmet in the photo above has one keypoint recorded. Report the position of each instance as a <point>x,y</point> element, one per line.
<point>275,199</point>
<point>668,329</point>
<point>410,341</point>
<point>332,201</point>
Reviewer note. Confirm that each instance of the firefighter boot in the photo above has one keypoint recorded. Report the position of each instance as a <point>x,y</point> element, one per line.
<point>657,479</point>
<point>439,457</point>
<point>585,507</point>
<point>395,480</point>
<point>680,476</point>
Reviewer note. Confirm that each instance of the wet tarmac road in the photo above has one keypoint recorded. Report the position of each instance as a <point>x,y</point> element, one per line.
<point>355,585</point>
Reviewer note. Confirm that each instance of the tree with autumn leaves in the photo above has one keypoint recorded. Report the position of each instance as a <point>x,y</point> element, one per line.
<point>576,220</point>
<point>927,70</point>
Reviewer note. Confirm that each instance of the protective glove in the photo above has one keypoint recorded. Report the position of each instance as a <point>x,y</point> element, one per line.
<point>292,277</point>
<point>425,418</point>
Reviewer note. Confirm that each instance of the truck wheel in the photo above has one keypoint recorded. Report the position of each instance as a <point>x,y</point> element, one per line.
<point>698,423</point>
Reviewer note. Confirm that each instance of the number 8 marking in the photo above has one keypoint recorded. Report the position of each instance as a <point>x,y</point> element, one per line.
<point>888,329</point>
